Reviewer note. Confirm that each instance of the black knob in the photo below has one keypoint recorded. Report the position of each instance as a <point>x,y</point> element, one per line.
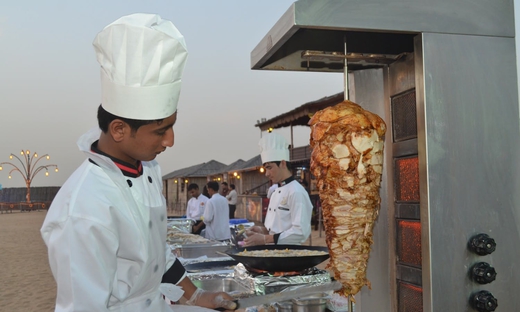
<point>483,301</point>
<point>483,273</point>
<point>482,244</point>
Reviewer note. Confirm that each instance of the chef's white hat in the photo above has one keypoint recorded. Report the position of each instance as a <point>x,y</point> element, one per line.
<point>273,147</point>
<point>142,58</point>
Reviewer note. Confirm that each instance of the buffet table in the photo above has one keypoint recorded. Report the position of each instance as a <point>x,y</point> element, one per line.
<point>209,268</point>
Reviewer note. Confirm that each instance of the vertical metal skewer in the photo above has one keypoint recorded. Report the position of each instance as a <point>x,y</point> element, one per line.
<point>350,303</point>
<point>345,68</point>
<point>345,78</point>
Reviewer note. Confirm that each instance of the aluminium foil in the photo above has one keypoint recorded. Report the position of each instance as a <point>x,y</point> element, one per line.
<point>266,284</point>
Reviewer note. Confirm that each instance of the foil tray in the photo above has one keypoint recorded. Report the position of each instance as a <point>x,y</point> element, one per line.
<point>181,223</point>
<point>267,284</point>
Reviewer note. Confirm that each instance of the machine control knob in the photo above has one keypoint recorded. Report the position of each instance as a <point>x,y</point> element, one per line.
<point>483,273</point>
<point>483,301</point>
<point>482,244</point>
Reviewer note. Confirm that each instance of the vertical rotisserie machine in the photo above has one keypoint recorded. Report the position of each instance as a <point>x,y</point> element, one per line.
<point>442,74</point>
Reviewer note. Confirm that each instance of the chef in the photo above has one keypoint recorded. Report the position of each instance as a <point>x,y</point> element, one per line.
<point>106,228</point>
<point>288,218</point>
<point>195,207</point>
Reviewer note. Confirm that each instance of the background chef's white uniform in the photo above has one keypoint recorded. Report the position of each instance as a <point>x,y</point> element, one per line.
<point>106,228</point>
<point>271,190</point>
<point>196,207</point>
<point>216,218</point>
<point>289,214</point>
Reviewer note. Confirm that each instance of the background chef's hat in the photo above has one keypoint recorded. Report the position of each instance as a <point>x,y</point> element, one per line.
<point>142,58</point>
<point>273,147</point>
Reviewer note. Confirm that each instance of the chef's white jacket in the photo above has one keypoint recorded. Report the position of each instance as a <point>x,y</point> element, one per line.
<point>106,237</point>
<point>232,197</point>
<point>216,218</point>
<point>196,206</point>
<point>289,214</point>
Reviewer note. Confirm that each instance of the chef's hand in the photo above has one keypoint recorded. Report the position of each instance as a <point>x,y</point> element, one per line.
<point>255,239</point>
<point>256,229</point>
<point>212,300</point>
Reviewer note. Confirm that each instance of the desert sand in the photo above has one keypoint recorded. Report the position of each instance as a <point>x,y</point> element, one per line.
<point>26,283</point>
<point>26,280</point>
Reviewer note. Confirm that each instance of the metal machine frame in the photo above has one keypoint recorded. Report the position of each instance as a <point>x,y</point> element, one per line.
<point>465,79</point>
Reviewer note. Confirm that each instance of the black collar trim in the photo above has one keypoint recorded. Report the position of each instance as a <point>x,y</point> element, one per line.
<point>127,169</point>
<point>286,181</point>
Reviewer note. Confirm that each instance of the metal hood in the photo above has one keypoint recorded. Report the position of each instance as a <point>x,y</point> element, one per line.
<point>380,27</point>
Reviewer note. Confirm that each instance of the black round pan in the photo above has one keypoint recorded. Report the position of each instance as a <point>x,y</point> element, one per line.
<point>210,265</point>
<point>278,264</point>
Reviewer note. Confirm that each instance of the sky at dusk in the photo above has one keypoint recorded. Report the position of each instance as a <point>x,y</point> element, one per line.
<point>50,80</point>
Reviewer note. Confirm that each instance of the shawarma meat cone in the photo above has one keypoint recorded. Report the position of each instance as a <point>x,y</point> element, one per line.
<point>347,161</point>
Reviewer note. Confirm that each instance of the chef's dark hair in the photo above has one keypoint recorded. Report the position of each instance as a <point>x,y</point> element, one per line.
<point>213,185</point>
<point>287,163</point>
<point>105,118</point>
<point>193,186</point>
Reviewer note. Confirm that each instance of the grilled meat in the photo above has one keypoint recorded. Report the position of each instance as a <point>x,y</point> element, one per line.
<point>347,161</point>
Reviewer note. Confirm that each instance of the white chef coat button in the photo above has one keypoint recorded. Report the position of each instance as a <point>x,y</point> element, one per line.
<point>162,218</point>
<point>148,302</point>
<point>129,183</point>
<point>149,179</point>
<point>156,268</point>
<point>150,224</point>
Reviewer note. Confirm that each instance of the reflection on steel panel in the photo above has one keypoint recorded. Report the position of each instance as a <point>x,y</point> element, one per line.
<point>404,116</point>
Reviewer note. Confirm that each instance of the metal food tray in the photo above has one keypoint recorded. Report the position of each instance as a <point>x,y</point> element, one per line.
<point>198,250</point>
<point>182,224</point>
<point>268,284</point>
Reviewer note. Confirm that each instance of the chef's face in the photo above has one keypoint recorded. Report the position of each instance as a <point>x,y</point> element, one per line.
<point>194,193</point>
<point>273,172</point>
<point>149,140</point>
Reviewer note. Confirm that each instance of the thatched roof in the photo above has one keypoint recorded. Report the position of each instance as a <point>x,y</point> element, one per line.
<point>233,166</point>
<point>301,115</point>
<point>252,163</point>
<point>197,171</point>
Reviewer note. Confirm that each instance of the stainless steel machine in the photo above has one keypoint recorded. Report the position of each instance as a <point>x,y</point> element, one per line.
<point>442,74</point>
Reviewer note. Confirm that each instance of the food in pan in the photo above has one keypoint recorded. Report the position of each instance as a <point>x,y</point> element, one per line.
<point>175,236</point>
<point>347,161</point>
<point>281,253</point>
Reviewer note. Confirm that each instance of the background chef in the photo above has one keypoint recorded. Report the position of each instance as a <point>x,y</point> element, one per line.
<point>288,218</point>
<point>106,228</point>
<point>195,207</point>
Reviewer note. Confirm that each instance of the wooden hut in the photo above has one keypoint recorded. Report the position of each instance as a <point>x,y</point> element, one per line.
<point>226,172</point>
<point>175,184</point>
